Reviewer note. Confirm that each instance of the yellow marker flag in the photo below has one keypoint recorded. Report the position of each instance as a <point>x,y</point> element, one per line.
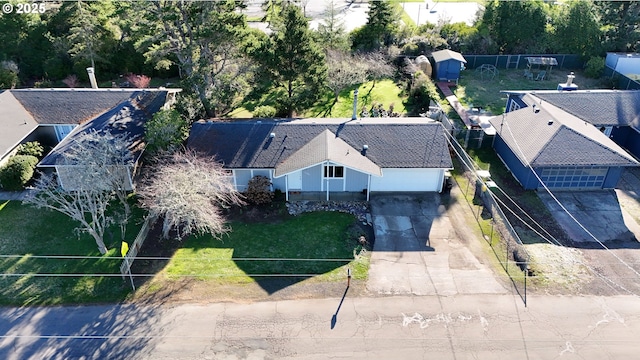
<point>124,249</point>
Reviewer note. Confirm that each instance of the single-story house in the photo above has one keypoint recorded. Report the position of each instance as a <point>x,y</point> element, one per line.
<point>614,112</point>
<point>126,118</point>
<point>448,65</point>
<point>329,155</point>
<point>565,151</point>
<point>48,115</point>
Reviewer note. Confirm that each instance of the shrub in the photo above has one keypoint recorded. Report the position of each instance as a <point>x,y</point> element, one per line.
<point>17,172</point>
<point>594,67</point>
<point>258,190</point>
<point>422,91</point>
<point>166,131</point>
<point>264,111</point>
<point>32,148</point>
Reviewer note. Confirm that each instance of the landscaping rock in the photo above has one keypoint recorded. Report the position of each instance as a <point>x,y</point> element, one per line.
<point>360,209</point>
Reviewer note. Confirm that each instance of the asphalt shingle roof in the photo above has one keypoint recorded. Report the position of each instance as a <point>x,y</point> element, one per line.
<point>546,136</point>
<point>443,55</point>
<point>127,117</point>
<point>249,145</point>
<point>66,106</point>
<point>600,108</point>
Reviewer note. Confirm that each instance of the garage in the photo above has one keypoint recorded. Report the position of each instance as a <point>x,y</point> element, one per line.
<point>395,179</point>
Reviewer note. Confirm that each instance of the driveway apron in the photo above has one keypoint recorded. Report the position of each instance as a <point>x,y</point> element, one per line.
<point>417,251</point>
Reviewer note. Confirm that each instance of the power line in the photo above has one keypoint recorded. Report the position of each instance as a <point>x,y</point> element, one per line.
<point>562,205</point>
<point>606,279</point>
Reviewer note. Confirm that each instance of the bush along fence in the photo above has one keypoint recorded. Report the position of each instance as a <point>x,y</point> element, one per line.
<point>621,81</point>
<point>496,228</point>
<point>125,268</point>
<point>565,61</point>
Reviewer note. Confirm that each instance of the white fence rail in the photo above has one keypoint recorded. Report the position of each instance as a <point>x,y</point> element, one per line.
<point>137,244</point>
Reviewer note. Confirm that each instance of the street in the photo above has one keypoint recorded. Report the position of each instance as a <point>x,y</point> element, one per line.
<point>457,327</point>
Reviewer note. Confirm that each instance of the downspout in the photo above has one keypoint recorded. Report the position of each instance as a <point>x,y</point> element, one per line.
<point>286,187</point>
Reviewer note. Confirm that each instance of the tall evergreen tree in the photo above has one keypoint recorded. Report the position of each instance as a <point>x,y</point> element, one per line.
<point>292,63</point>
<point>578,29</point>
<point>331,30</point>
<point>621,24</point>
<point>203,38</point>
<point>516,26</point>
<point>382,22</point>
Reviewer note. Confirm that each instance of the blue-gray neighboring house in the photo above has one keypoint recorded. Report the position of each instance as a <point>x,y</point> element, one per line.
<point>127,119</point>
<point>564,150</point>
<point>329,155</point>
<point>616,113</point>
<point>448,65</point>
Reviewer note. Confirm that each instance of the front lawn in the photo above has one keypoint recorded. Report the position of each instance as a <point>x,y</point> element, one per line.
<point>319,245</point>
<point>27,232</point>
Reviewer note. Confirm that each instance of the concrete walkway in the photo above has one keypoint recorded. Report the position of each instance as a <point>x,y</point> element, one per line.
<point>417,251</point>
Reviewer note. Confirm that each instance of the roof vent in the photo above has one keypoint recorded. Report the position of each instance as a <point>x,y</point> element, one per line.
<point>535,109</point>
<point>550,122</point>
<point>365,147</point>
<point>272,135</point>
<point>259,122</point>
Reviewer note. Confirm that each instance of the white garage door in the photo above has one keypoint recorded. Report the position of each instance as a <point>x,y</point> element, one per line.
<point>408,180</point>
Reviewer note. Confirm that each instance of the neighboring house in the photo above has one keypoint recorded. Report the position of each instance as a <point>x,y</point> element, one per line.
<point>329,155</point>
<point>127,117</point>
<point>565,151</point>
<point>614,112</point>
<point>624,63</point>
<point>48,115</point>
<point>448,65</point>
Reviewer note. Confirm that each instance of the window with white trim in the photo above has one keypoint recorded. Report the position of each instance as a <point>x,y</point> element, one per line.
<point>332,171</point>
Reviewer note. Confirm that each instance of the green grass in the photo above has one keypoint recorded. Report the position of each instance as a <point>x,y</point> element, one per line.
<point>473,89</point>
<point>384,92</point>
<point>26,232</point>
<point>319,235</point>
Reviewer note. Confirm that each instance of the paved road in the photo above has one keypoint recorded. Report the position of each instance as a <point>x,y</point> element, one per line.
<point>427,327</point>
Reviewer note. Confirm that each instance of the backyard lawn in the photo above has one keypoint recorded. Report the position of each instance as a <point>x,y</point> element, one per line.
<point>320,245</point>
<point>478,90</point>
<point>385,92</point>
<point>26,233</point>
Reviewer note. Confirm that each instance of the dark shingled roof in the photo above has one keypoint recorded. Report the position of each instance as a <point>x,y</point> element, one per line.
<point>66,106</point>
<point>248,144</point>
<point>547,136</point>
<point>600,108</point>
<point>128,118</point>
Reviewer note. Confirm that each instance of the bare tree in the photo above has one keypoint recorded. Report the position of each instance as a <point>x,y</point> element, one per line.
<point>378,66</point>
<point>188,190</point>
<point>344,70</point>
<point>95,172</point>
<point>85,206</point>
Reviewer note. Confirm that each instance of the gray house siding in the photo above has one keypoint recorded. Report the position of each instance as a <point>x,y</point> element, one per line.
<point>312,178</point>
<point>279,183</point>
<point>333,184</point>
<point>242,179</point>
<point>613,176</point>
<point>356,181</point>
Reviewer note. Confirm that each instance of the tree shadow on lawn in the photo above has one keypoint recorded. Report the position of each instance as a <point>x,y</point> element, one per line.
<point>268,245</point>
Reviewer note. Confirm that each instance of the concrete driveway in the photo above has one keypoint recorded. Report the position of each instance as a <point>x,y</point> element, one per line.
<point>598,211</point>
<point>417,250</point>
